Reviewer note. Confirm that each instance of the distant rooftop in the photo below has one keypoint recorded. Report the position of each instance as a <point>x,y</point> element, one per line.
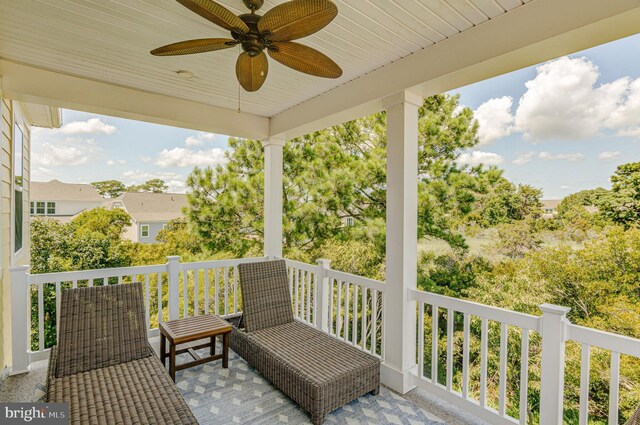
<point>56,190</point>
<point>145,206</point>
<point>550,203</point>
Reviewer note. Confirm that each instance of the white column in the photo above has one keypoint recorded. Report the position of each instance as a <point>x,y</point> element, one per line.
<point>553,332</point>
<point>273,196</point>
<point>20,314</point>
<point>173,272</point>
<point>321,311</point>
<point>402,240</point>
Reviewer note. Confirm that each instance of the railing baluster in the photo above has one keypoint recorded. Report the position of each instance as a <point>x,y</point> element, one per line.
<point>119,281</point>
<point>309,277</point>
<point>363,331</point>
<point>58,295</point>
<point>345,323</point>
<point>159,283</point>
<point>434,343</point>
<point>483,361</point>
<point>147,300</point>
<point>41,317</point>
<point>585,366</point>
<point>185,290</point>
<point>450,314</point>
<point>354,319</point>
<point>614,387</point>
<point>331,315</point>
<point>465,356</point>
<point>338,306</point>
<point>235,289</point>
<point>374,322</point>
<point>502,400</point>
<point>216,290</point>
<point>226,290</point>
<point>196,292</point>
<point>206,291</point>
<point>74,284</point>
<point>524,376</point>
<point>420,339</point>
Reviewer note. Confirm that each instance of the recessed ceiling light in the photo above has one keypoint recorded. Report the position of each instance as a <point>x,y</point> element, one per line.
<point>187,75</point>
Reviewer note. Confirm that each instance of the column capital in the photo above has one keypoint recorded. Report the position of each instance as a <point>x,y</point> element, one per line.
<point>554,309</point>
<point>402,97</point>
<point>274,141</point>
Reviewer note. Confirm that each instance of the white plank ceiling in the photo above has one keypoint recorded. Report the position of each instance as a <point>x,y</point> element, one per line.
<point>109,41</point>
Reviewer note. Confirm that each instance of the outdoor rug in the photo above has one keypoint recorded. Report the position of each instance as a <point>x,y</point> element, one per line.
<point>240,395</point>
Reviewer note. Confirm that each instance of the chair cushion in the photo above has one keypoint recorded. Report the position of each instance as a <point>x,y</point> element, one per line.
<point>138,392</point>
<point>266,301</point>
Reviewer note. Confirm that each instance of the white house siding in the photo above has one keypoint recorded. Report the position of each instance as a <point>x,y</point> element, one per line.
<point>11,112</point>
<point>68,209</point>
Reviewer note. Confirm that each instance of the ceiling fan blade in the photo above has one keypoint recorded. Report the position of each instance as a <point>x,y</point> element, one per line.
<point>296,19</point>
<point>252,70</point>
<point>304,59</point>
<point>194,46</point>
<point>215,13</point>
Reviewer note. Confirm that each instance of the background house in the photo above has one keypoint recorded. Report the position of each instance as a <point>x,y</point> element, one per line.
<point>62,201</point>
<point>150,213</point>
<point>550,207</point>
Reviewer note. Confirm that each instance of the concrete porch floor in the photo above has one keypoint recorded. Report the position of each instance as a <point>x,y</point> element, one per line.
<point>23,388</point>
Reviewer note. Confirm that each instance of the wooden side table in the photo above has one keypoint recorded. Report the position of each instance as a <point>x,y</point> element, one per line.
<point>191,329</point>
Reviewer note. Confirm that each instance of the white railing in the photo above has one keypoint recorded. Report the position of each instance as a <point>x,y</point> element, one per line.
<point>347,306</point>
<point>615,345</point>
<point>478,322</point>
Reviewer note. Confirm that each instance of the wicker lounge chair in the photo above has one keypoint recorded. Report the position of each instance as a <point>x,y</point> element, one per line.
<point>316,370</point>
<point>103,365</point>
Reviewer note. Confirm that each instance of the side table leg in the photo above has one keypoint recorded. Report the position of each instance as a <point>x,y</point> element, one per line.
<point>163,349</point>
<point>225,350</point>
<point>213,346</point>
<point>172,361</point>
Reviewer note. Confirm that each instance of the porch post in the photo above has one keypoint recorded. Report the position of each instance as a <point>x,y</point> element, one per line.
<point>20,314</point>
<point>173,275</point>
<point>273,196</point>
<point>402,240</point>
<point>553,332</point>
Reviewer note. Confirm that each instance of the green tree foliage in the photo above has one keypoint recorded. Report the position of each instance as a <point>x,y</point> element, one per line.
<point>109,188</point>
<point>622,205</point>
<point>153,186</point>
<point>341,172</point>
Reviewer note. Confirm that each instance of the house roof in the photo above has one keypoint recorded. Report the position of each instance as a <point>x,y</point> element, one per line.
<point>550,203</point>
<point>92,57</point>
<point>144,206</point>
<point>56,190</point>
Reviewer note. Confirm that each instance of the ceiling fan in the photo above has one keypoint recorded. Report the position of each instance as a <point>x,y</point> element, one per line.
<point>272,32</point>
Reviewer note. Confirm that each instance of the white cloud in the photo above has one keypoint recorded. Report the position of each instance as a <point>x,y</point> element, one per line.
<point>43,174</point>
<point>199,139</point>
<point>495,119</point>
<point>91,126</point>
<point>181,157</point>
<point>55,155</point>
<point>119,162</point>
<point>608,155</point>
<point>564,101</point>
<point>524,158</point>
<point>571,157</point>
<point>478,157</point>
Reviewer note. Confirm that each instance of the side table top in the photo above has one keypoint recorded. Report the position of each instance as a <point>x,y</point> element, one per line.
<point>193,328</point>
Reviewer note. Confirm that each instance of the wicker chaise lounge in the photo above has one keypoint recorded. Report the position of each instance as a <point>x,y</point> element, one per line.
<point>103,365</point>
<point>316,370</point>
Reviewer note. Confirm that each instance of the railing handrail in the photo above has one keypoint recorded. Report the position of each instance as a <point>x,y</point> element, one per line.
<point>358,280</point>
<point>199,265</point>
<point>311,268</point>
<point>514,318</point>
<point>605,340</point>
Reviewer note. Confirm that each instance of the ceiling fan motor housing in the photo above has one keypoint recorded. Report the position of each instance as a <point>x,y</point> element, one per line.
<point>253,5</point>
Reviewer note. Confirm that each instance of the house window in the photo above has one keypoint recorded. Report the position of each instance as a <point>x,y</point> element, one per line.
<point>40,208</point>
<point>18,169</point>
<point>32,208</point>
<point>51,208</point>
<point>144,230</point>
<point>350,221</point>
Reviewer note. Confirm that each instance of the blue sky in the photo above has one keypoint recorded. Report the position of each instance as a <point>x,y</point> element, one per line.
<point>562,126</point>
